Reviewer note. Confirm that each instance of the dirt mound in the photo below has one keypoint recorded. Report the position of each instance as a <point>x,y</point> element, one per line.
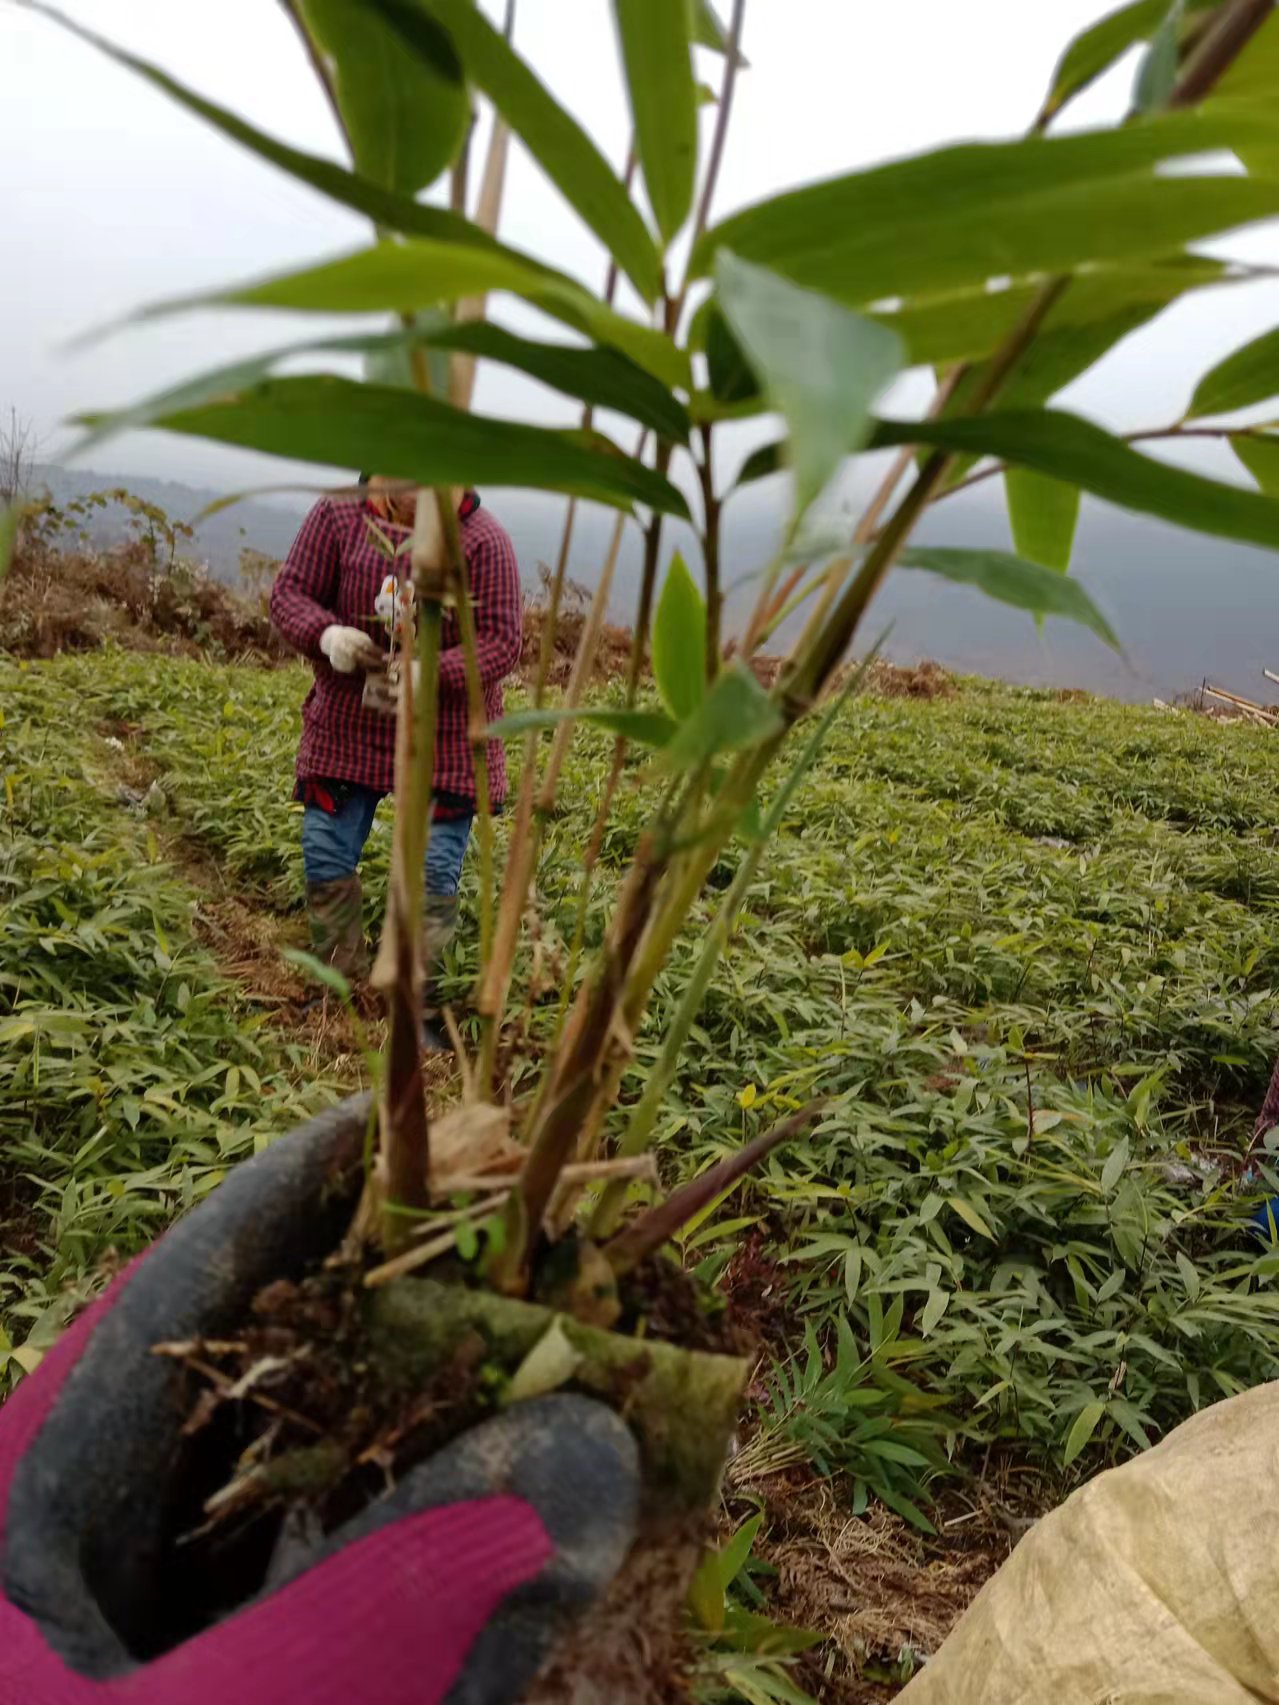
<point>612,653</point>
<point>924,680</point>
<point>74,600</point>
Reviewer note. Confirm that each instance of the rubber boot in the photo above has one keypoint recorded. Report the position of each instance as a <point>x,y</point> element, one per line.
<point>336,913</point>
<point>439,924</point>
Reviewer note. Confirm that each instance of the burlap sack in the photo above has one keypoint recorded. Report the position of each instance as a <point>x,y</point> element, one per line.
<point>1156,1582</point>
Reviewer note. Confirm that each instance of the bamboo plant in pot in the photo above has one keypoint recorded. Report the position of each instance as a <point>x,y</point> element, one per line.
<point>377,1287</point>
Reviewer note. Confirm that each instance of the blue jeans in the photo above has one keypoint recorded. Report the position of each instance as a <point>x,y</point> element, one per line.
<point>332,842</point>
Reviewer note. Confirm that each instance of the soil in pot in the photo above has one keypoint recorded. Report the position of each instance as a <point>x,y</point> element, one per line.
<point>322,1402</point>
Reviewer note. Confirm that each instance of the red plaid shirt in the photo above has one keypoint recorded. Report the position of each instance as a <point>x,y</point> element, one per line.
<point>333,574</point>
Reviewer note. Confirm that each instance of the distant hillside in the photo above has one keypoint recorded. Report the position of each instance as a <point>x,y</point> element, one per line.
<point>1184,606</point>
<point>266,527</point>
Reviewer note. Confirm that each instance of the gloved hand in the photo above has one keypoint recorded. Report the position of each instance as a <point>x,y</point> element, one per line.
<point>347,649</point>
<point>451,1587</point>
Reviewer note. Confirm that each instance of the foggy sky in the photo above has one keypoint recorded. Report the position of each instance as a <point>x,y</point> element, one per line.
<point>122,197</point>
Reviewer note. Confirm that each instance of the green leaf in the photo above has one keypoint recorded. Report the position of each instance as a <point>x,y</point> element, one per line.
<point>736,712</point>
<point>340,423</point>
<point>8,535</point>
<point>329,975</point>
<point>1097,48</point>
<point>645,727</point>
<point>971,1217</point>
<point>551,1363</point>
<point>950,220</point>
<point>1067,448</point>
<point>1259,453</point>
<point>821,366</point>
<point>1248,376</point>
<point>657,55</point>
<point>1043,514</point>
<point>1121,1410</point>
<point>970,324</point>
<point>934,1308</point>
<point>406,115</point>
<point>602,377</point>
<point>706,1593</point>
<point>733,1558</point>
<point>1116,1161</point>
<point>708,30</point>
<point>1189,1275</point>
<point>1082,1429</point>
<point>1157,73</point>
<point>1012,580</point>
<point>1054,359</point>
<point>679,642</point>
<point>398,277</point>
<point>552,136</point>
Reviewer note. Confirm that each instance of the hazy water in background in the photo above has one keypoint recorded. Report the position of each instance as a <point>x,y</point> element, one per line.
<point>1184,606</point>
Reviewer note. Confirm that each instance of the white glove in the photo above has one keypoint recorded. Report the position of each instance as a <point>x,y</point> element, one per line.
<point>347,649</point>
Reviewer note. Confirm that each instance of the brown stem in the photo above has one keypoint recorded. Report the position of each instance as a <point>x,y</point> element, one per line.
<point>712,507</point>
<point>1232,28</point>
<point>646,1235</point>
<point>719,137</point>
<point>318,65</point>
<point>589,1037</point>
<point>522,853</point>
<point>648,585</point>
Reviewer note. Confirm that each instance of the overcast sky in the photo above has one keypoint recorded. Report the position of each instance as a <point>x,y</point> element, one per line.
<point>114,196</point>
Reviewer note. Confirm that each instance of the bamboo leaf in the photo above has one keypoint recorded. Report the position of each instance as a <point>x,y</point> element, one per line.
<point>423,273</point>
<point>1116,1161</point>
<point>1248,376</point>
<point>1053,360</point>
<point>706,1593</point>
<point>708,30</point>
<point>736,712</point>
<point>1043,514</point>
<point>552,136</point>
<point>406,114</point>
<point>1157,72</point>
<point>1259,453</point>
<point>951,219</point>
<point>657,55</point>
<point>340,423</point>
<point>967,325</point>
<point>644,727</point>
<point>602,377</point>
<point>551,1363</point>
<point>1067,448</point>
<point>1012,580</point>
<point>323,973</point>
<point>733,1558</point>
<point>1095,50</point>
<point>1081,1431</point>
<point>971,1217</point>
<point>679,642</point>
<point>821,366</point>
<point>934,1308</point>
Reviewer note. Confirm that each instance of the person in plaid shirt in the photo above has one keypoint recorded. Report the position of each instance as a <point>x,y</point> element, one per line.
<point>329,602</point>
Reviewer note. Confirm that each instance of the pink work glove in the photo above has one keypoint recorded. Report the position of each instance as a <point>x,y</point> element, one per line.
<point>452,1587</point>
